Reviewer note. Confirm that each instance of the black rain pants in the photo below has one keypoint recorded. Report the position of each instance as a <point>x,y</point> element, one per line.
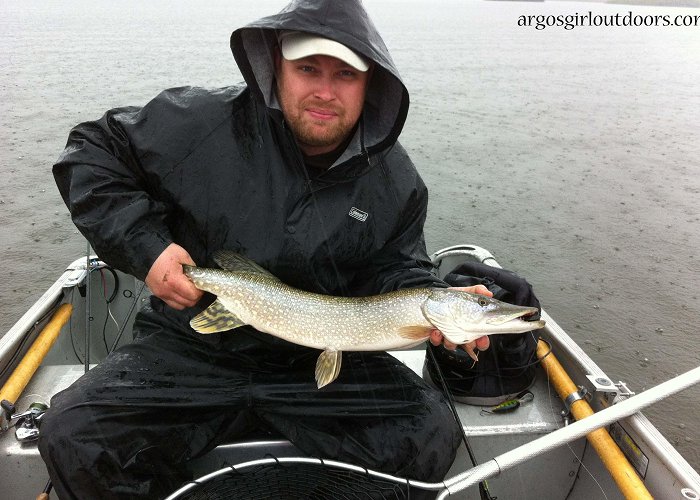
<point>125,429</point>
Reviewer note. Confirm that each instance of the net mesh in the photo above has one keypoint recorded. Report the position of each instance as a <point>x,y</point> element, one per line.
<point>296,481</point>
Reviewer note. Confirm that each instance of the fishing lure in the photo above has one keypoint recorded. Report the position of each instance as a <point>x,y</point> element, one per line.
<point>510,405</point>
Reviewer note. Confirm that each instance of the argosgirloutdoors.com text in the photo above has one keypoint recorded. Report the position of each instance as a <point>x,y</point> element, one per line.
<point>571,21</point>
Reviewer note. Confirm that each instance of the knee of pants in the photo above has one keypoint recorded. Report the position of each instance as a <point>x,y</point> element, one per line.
<point>441,438</point>
<point>421,447</point>
<point>59,425</point>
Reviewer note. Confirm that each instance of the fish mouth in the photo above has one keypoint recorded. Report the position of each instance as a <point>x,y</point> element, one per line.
<point>514,313</point>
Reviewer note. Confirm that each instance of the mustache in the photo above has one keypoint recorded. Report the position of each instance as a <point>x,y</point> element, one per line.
<point>316,106</point>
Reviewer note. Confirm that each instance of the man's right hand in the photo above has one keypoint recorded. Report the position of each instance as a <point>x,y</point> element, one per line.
<point>167,281</point>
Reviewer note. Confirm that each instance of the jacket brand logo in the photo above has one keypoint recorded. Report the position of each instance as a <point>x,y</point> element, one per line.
<point>358,214</point>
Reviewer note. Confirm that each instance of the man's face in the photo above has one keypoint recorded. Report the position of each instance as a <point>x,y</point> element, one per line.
<point>321,98</point>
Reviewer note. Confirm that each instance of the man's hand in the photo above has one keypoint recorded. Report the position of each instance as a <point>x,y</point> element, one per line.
<point>167,281</point>
<point>482,343</point>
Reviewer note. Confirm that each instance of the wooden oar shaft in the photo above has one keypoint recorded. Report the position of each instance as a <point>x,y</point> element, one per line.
<point>612,457</point>
<point>25,369</point>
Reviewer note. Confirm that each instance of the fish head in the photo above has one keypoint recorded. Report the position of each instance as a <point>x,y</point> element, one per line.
<point>463,317</point>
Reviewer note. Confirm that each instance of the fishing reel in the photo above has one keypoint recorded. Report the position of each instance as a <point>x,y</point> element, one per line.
<point>26,423</point>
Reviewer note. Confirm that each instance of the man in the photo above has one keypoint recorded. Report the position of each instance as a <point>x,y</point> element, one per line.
<point>300,171</point>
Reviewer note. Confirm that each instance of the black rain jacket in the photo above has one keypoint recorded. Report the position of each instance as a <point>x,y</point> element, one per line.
<point>213,169</point>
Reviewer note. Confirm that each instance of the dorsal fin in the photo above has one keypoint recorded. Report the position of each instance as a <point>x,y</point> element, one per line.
<point>235,262</point>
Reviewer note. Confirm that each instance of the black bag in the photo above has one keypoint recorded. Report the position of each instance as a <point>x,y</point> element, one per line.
<point>507,367</point>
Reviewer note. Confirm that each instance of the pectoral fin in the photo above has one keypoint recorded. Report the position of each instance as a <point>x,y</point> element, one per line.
<point>328,367</point>
<point>415,332</point>
<point>215,318</point>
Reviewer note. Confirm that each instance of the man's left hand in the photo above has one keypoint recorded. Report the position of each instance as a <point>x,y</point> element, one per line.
<point>482,343</point>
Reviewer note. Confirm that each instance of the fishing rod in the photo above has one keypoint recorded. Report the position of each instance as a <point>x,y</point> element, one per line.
<point>484,492</point>
<point>478,474</point>
<point>88,311</point>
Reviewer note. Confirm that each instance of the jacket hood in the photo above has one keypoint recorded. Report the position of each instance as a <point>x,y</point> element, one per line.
<point>346,21</point>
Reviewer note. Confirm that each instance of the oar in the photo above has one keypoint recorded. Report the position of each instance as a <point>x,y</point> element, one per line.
<point>569,433</point>
<point>35,355</point>
<point>614,460</point>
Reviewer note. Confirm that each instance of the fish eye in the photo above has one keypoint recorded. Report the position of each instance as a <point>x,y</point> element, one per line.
<point>482,302</point>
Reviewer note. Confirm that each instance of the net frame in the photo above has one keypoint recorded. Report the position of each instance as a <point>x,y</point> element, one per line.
<point>379,479</point>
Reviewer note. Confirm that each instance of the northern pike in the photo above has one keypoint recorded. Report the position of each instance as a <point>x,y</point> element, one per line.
<point>247,294</point>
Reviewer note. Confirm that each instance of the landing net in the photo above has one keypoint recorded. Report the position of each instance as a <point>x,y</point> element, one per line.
<point>291,481</point>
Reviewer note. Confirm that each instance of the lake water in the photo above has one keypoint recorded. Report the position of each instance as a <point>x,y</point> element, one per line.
<point>573,155</point>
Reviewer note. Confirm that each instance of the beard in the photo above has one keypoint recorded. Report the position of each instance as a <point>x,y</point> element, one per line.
<point>318,133</point>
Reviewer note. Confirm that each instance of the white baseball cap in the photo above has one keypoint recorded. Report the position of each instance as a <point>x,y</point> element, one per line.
<point>297,44</point>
